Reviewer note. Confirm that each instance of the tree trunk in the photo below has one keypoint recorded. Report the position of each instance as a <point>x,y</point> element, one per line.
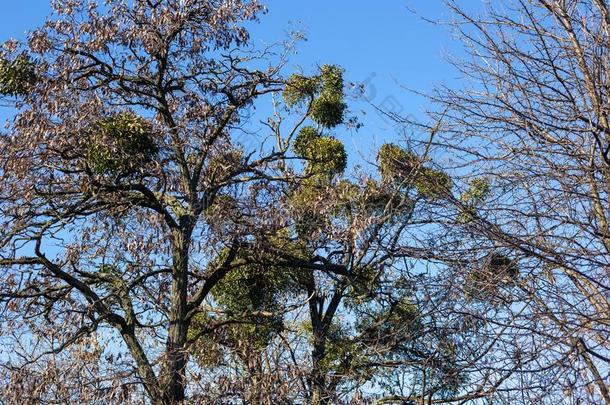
<point>175,381</point>
<point>318,376</point>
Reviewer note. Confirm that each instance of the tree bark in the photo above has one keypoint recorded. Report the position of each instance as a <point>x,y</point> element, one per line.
<point>175,366</point>
<point>318,378</point>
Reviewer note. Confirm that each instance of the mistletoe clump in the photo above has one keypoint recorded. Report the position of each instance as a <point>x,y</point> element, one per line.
<point>432,183</point>
<point>329,108</point>
<point>393,324</point>
<point>472,198</point>
<point>405,169</point>
<point>252,293</point>
<point>299,88</point>
<point>363,286</point>
<point>325,155</point>
<point>120,144</point>
<point>477,192</point>
<point>332,79</point>
<point>395,163</point>
<point>16,76</point>
<point>343,352</point>
<point>304,139</point>
<point>324,91</point>
<point>394,319</point>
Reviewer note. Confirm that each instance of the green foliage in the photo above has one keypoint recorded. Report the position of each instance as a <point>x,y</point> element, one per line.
<point>476,195</point>
<point>396,165</point>
<point>300,88</point>
<point>253,292</point>
<point>325,91</point>
<point>308,193</point>
<point>120,144</point>
<point>332,79</point>
<point>404,312</point>
<point>390,323</point>
<point>477,192</point>
<point>341,351</point>
<point>393,325</point>
<point>432,183</point>
<point>328,110</point>
<point>16,76</point>
<point>404,169</point>
<point>304,139</point>
<point>251,288</point>
<point>327,156</point>
<point>200,322</point>
<point>362,287</point>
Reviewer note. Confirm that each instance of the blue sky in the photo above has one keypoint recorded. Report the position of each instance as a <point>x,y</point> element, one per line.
<point>386,44</point>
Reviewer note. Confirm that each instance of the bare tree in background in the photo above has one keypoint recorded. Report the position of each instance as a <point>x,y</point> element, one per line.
<point>532,131</point>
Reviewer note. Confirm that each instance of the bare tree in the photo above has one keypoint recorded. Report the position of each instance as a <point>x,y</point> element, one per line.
<point>531,130</point>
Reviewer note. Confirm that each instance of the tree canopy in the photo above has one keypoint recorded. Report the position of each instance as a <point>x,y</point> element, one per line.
<point>183,220</point>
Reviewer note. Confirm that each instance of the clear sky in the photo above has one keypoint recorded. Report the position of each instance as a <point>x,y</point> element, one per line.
<point>384,43</point>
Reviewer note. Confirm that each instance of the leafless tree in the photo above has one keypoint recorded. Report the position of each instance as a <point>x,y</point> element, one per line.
<point>530,136</point>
